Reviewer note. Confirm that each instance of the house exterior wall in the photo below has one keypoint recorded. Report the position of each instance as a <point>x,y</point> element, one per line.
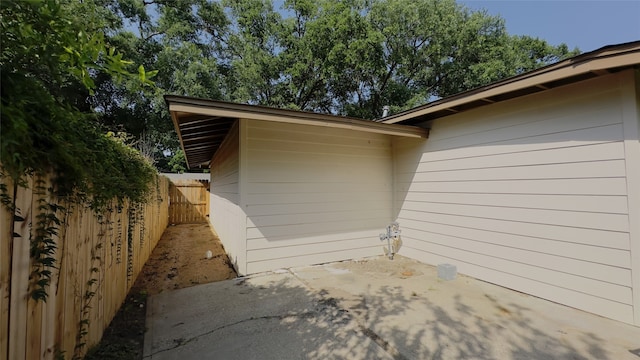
<point>631,121</point>
<point>534,194</point>
<point>313,194</point>
<point>226,215</point>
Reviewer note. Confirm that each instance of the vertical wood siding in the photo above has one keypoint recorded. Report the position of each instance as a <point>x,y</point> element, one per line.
<point>530,194</point>
<point>98,257</point>
<point>314,194</point>
<point>225,213</point>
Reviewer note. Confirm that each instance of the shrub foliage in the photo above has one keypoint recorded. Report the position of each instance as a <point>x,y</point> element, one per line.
<point>47,69</point>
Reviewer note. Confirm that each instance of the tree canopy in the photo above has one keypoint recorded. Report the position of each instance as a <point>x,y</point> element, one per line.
<point>347,57</point>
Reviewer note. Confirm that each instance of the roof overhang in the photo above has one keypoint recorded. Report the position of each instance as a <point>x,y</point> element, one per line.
<point>203,124</point>
<point>606,60</point>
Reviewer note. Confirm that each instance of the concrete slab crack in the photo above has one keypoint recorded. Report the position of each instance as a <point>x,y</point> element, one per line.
<point>182,342</point>
<point>390,349</point>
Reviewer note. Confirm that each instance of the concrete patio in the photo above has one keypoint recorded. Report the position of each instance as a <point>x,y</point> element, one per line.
<point>373,309</point>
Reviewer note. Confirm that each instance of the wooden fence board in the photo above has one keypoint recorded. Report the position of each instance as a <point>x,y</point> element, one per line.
<point>34,330</point>
<point>20,274</point>
<point>189,201</point>
<point>6,228</point>
<point>48,317</point>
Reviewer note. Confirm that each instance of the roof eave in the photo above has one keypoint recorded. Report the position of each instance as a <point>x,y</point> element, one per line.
<point>181,106</point>
<point>591,64</point>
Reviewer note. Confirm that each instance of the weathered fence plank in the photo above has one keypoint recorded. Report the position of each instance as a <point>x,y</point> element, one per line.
<point>20,274</point>
<point>6,228</point>
<point>94,271</point>
<point>189,201</point>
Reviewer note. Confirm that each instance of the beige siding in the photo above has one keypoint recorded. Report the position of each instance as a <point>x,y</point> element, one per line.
<point>631,123</point>
<point>225,213</point>
<point>314,194</point>
<point>531,194</point>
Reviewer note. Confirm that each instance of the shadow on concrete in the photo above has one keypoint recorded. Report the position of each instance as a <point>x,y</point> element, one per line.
<point>345,312</point>
<point>266,317</point>
<point>417,316</point>
<point>461,332</point>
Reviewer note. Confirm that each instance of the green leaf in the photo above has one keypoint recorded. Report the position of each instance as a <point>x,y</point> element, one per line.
<point>141,73</point>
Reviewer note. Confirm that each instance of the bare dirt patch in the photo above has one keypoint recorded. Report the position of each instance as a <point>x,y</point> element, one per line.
<point>178,261</point>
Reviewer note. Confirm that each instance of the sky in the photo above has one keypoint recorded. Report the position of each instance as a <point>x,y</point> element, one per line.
<point>587,25</point>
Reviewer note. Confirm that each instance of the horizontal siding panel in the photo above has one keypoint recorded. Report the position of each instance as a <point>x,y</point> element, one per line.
<point>317,218</point>
<point>319,207</point>
<point>601,186</point>
<point>324,135</point>
<point>281,172</point>
<point>295,231</point>
<point>407,152</point>
<point>523,111</point>
<point>225,213</point>
<point>591,303</point>
<point>225,165</point>
<point>226,199</point>
<point>230,195</point>
<point>275,242</point>
<point>317,148</point>
<point>591,169</point>
<point>371,186</point>
<point>598,152</point>
<point>229,177</point>
<point>607,204</point>
<point>230,187</point>
<point>312,259</point>
<point>557,129</point>
<point>320,159</point>
<point>225,174</point>
<point>611,239</point>
<point>316,197</point>
<point>613,222</point>
<point>226,218</point>
<point>589,270</point>
<point>225,158</point>
<point>312,248</point>
<point>590,253</point>
<point>616,292</point>
<point>530,194</point>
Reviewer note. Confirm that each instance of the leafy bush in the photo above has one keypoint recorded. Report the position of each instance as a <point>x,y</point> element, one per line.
<point>47,69</point>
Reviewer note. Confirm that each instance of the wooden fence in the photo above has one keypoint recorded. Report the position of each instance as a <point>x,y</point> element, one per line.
<point>188,201</point>
<point>98,258</point>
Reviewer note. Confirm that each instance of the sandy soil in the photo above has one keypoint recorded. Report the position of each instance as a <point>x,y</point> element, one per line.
<point>179,260</point>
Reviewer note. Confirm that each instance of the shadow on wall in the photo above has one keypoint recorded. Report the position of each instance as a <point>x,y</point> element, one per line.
<point>479,149</point>
<point>315,195</point>
<point>274,317</point>
<point>517,193</point>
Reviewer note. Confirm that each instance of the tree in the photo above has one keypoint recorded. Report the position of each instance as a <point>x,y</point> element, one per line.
<point>253,49</point>
<point>179,38</point>
<point>349,57</point>
<point>47,69</point>
<point>326,47</point>
<point>353,57</point>
<point>177,162</point>
<point>432,49</point>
